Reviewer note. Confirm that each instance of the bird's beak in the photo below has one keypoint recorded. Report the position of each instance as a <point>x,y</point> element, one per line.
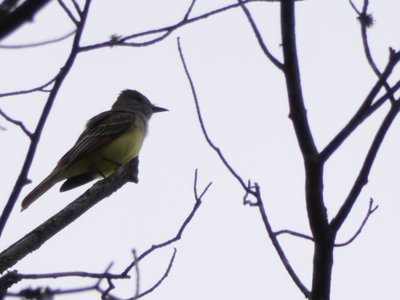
<point>157,109</point>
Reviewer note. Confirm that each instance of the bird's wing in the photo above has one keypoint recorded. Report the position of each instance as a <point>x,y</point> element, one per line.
<point>99,131</point>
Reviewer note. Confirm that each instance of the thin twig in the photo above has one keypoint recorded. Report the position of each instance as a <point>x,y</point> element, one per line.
<point>370,211</point>
<point>17,123</point>
<point>186,17</point>
<point>273,237</point>
<point>362,177</point>
<point>354,7</point>
<point>106,293</point>
<point>294,233</point>
<point>259,38</point>
<point>366,109</point>
<point>249,190</point>
<point>105,271</point>
<point>22,179</point>
<point>178,236</point>
<point>366,21</point>
<point>104,275</point>
<point>77,7</point>
<point>164,31</point>
<point>159,282</point>
<point>137,272</point>
<point>203,128</point>
<point>68,12</point>
<point>36,89</point>
<point>39,44</point>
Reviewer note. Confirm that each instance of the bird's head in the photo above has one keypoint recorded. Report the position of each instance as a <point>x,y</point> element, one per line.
<point>133,101</point>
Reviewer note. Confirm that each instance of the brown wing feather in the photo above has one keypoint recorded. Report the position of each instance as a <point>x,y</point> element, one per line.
<point>99,131</point>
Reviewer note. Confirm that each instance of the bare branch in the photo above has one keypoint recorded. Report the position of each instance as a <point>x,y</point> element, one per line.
<point>106,294</point>
<point>298,113</point>
<point>247,188</point>
<point>259,38</point>
<point>366,21</point>
<point>158,283</point>
<point>273,237</point>
<point>17,123</point>
<point>362,177</point>
<point>164,31</point>
<point>209,141</point>
<point>22,179</point>
<point>294,233</point>
<point>77,7</point>
<point>316,210</point>
<point>68,12</point>
<point>354,7</point>
<point>105,271</point>
<point>7,280</point>
<point>137,272</point>
<point>186,17</point>
<point>249,191</point>
<point>104,275</point>
<point>370,211</point>
<point>36,89</point>
<point>178,236</point>
<point>366,108</point>
<point>37,237</point>
<point>39,44</point>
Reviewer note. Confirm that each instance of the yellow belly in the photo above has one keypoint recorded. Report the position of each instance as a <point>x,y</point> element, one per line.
<point>106,159</point>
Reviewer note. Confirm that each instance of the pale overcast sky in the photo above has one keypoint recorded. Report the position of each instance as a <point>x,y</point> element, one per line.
<point>225,252</point>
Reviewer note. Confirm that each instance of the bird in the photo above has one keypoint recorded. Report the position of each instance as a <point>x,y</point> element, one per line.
<point>109,140</point>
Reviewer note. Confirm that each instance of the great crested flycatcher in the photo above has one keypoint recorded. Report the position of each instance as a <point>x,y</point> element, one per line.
<point>110,139</point>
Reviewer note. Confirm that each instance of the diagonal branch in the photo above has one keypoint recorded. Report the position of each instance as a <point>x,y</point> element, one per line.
<point>37,237</point>
<point>362,177</point>
<point>298,113</point>
<point>366,108</point>
<point>247,188</point>
<point>367,21</point>
<point>294,233</point>
<point>273,237</point>
<point>370,211</point>
<point>259,38</point>
<point>203,128</point>
<point>77,7</point>
<point>17,123</point>
<point>22,179</point>
<point>181,230</point>
<point>68,12</point>
<point>160,281</point>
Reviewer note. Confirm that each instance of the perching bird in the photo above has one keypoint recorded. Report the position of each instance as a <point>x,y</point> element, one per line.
<point>110,139</point>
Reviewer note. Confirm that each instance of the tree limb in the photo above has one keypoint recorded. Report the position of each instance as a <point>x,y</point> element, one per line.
<point>22,179</point>
<point>37,237</point>
<point>362,177</point>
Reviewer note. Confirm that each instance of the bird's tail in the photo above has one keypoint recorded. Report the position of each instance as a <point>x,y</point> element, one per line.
<point>38,191</point>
